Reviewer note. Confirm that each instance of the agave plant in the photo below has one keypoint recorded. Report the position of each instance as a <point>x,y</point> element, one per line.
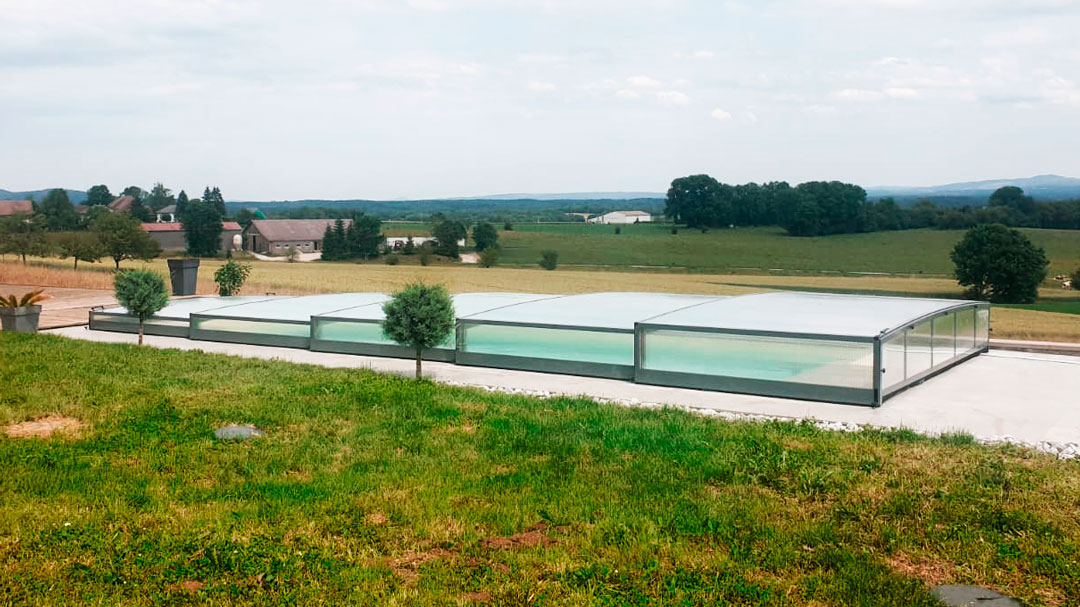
<point>32,298</point>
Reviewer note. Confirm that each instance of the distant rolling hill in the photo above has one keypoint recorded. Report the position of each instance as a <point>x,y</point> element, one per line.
<point>1043,187</point>
<point>75,196</point>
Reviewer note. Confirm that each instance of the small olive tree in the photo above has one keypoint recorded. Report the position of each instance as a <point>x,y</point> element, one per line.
<point>419,316</point>
<point>142,292</point>
<point>230,277</point>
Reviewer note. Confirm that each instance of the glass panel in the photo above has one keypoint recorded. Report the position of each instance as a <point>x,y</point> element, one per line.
<point>852,315</point>
<point>809,361</point>
<point>893,361</point>
<point>251,326</point>
<point>593,310</point>
<point>944,338</point>
<point>982,327</point>
<point>299,308</point>
<point>965,331</point>
<point>918,349</point>
<point>559,344</point>
<point>358,332</point>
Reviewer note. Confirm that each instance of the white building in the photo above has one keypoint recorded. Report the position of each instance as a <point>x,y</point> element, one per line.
<point>397,243</point>
<point>623,217</point>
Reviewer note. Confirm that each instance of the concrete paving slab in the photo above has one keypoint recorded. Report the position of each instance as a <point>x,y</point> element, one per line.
<point>67,306</point>
<point>1031,397</point>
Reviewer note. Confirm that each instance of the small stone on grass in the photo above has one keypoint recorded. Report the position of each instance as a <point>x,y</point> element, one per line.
<point>236,432</point>
<point>972,596</point>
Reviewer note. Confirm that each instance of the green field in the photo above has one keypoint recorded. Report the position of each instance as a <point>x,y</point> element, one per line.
<point>375,490</point>
<point>753,249</point>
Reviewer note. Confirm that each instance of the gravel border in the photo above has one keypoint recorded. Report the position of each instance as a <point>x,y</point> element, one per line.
<point>1060,450</point>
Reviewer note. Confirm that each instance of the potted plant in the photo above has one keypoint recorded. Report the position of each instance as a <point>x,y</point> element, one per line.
<point>21,314</point>
<point>184,275</point>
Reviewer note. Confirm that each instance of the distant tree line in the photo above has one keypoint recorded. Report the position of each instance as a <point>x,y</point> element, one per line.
<point>821,208</point>
<point>56,227</point>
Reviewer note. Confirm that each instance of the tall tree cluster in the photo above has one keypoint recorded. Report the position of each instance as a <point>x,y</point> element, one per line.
<point>359,238</point>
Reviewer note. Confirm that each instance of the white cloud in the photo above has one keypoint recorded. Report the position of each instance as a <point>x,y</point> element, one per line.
<point>627,94</point>
<point>721,114</point>
<point>673,97</point>
<point>541,87</point>
<point>751,116</point>
<point>704,54</point>
<point>902,93</point>
<point>642,82</point>
<point>858,95</point>
<point>819,110</point>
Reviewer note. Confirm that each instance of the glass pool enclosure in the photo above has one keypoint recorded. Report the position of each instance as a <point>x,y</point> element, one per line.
<point>835,348</point>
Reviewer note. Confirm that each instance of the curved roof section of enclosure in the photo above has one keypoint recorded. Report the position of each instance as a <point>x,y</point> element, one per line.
<point>618,311</point>
<point>295,309</point>
<point>465,304</point>
<point>183,308</point>
<point>859,316</point>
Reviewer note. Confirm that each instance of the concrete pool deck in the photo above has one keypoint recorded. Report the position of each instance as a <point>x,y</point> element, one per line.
<point>1030,397</point>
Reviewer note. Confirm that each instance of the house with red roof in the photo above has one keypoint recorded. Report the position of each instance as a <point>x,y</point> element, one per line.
<point>170,235</point>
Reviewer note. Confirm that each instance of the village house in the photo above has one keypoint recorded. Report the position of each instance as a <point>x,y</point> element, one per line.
<point>16,207</point>
<point>170,235</point>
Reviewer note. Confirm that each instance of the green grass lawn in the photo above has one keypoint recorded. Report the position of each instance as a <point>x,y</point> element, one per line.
<point>370,489</point>
<point>749,249</point>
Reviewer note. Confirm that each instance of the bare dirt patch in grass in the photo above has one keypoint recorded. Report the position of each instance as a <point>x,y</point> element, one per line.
<point>932,572</point>
<point>45,427</point>
<point>190,586</point>
<point>477,597</point>
<point>377,519</point>
<point>530,538</point>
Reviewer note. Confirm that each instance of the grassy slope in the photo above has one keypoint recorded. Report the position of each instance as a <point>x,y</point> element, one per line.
<point>376,490</point>
<point>907,252</point>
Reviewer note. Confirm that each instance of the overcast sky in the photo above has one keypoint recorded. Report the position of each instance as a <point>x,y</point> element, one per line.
<point>430,98</point>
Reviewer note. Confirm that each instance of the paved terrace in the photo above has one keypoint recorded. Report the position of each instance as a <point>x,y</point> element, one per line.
<point>66,307</point>
<point>1031,397</point>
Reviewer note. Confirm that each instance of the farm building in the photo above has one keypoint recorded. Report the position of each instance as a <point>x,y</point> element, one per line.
<point>16,207</point>
<point>277,236</point>
<point>397,243</point>
<point>622,217</point>
<point>170,235</point>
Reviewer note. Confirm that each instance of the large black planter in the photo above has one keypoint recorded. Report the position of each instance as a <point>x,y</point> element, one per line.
<point>20,320</point>
<point>184,274</point>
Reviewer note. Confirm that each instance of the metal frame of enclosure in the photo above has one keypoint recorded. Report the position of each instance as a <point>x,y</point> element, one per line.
<point>284,322</point>
<point>359,330</point>
<point>847,349</point>
<point>835,348</point>
<point>171,321</point>
<point>590,334</point>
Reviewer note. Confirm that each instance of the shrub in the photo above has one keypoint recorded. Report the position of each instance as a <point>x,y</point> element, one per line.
<point>549,260</point>
<point>674,230</point>
<point>1076,279</point>
<point>999,264</point>
<point>618,230</point>
<point>409,248</point>
<point>230,277</point>
<point>293,255</point>
<point>142,292</point>
<point>419,316</point>
<point>489,258</point>
<point>509,227</point>
<point>392,259</point>
<point>425,256</point>
<point>485,236</point>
